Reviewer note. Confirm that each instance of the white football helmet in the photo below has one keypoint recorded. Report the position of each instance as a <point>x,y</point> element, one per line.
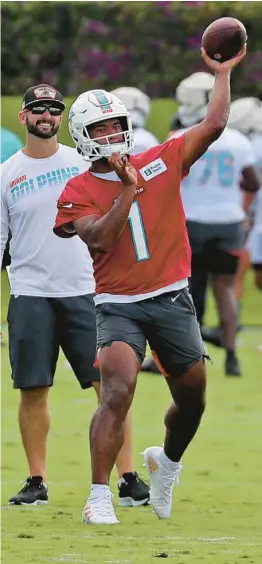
<point>90,108</point>
<point>246,115</point>
<point>136,102</point>
<point>193,95</point>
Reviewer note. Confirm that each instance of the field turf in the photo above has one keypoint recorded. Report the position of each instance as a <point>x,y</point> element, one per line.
<point>217,515</point>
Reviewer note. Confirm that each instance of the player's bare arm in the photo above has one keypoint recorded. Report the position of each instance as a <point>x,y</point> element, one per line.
<point>198,139</point>
<point>250,181</point>
<point>250,185</point>
<point>101,233</point>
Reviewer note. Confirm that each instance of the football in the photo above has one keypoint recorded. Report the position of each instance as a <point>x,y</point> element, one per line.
<point>224,38</point>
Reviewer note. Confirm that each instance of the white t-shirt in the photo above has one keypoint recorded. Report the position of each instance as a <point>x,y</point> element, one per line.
<point>211,192</point>
<point>41,263</point>
<point>144,140</point>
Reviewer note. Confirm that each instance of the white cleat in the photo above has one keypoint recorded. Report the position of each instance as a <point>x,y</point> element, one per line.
<point>99,510</point>
<point>162,482</point>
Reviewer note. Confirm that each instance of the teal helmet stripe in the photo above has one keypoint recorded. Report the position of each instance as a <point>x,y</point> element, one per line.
<point>102,99</point>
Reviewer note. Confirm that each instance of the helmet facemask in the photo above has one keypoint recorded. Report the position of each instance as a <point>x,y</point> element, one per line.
<point>106,149</point>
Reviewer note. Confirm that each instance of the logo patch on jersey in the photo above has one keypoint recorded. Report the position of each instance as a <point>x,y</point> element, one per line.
<point>153,169</point>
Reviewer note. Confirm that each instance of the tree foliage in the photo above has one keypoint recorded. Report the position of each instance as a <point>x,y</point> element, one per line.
<point>151,45</point>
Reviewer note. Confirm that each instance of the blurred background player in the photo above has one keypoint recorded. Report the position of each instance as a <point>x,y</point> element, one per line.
<point>139,105</point>
<point>10,144</point>
<point>52,286</point>
<point>213,206</point>
<point>192,96</point>
<point>246,117</point>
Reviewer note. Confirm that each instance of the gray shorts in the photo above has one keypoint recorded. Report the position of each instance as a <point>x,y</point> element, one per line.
<point>216,247</point>
<point>39,326</point>
<point>168,322</point>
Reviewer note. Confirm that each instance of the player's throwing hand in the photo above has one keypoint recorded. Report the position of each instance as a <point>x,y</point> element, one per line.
<point>215,66</point>
<point>124,170</point>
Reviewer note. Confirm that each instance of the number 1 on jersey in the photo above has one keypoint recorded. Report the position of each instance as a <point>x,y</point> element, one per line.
<point>138,232</point>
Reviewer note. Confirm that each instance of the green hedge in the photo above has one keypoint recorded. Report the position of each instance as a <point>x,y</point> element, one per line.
<point>77,46</point>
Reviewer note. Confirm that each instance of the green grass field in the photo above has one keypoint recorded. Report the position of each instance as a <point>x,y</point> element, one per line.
<point>217,513</point>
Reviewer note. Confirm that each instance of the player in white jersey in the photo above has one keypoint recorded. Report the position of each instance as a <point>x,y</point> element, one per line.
<point>246,117</point>
<point>139,105</point>
<point>213,207</point>
<point>52,289</point>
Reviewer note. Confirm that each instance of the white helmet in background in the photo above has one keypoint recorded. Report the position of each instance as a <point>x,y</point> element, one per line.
<point>136,102</point>
<point>90,108</point>
<point>246,115</point>
<point>193,95</point>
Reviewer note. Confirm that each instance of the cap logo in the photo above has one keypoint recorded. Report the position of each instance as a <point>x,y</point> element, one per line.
<point>45,92</point>
<point>102,101</point>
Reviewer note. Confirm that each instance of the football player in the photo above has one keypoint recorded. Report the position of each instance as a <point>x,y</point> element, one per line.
<point>246,116</point>
<point>128,211</point>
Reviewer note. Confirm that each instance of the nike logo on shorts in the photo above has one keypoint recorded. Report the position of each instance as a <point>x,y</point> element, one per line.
<point>67,205</point>
<point>175,298</point>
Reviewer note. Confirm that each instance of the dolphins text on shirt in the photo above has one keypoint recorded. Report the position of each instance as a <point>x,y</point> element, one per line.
<point>48,180</point>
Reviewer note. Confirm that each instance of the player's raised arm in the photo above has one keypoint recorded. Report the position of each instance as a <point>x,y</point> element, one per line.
<point>198,139</point>
<point>100,234</point>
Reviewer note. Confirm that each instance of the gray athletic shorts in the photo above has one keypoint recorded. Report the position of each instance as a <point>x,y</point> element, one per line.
<point>216,247</point>
<point>168,322</point>
<point>39,326</point>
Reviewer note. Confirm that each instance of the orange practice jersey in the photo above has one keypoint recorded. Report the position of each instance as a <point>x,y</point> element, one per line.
<point>153,250</point>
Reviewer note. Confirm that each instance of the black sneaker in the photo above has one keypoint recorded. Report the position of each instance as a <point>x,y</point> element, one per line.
<point>34,492</point>
<point>132,490</point>
<point>232,367</point>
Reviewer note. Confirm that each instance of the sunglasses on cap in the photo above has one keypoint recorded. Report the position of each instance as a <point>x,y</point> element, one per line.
<point>41,109</point>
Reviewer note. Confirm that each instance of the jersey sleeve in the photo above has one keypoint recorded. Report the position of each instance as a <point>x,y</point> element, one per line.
<point>72,204</point>
<point>173,154</point>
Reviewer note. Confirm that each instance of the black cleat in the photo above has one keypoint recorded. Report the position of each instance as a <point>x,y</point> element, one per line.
<point>212,335</point>
<point>132,490</point>
<point>232,367</point>
<point>149,366</point>
<point>34,492</point>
